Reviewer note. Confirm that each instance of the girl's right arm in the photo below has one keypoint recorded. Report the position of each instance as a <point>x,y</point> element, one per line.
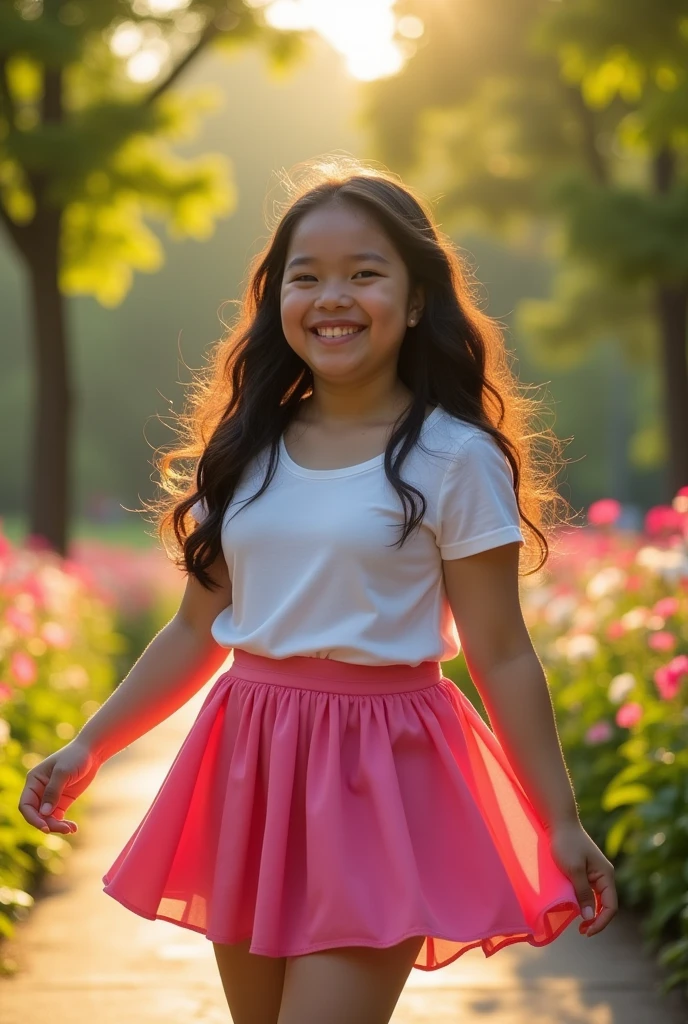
<point>175,665</point>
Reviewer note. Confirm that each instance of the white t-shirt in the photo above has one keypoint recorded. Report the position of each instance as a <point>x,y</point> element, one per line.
<point>312,575</point>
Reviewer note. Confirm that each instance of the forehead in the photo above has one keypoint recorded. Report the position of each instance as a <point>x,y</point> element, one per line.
<point>336,231</point>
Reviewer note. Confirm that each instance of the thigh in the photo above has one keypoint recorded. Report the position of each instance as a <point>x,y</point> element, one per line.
<point>354,983</point>
<point>252,983</point>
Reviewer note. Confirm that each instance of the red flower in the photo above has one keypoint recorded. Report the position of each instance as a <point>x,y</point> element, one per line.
<point>604,512</point>
<point>661,641</point>
<point>23,668</point>
<point>629,714</point>
<point>668,678</point>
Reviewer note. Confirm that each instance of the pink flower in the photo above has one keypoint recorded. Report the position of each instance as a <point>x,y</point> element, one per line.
<point>598,733</point>
<point>55,635</point>
<point>662,641</point>
<point>604,512</point>
<point>615,630</point>
<point>5,546</point>
<point>663,519</point>
<point>23,668</point>
<point>32,585</point>
<point>666,607</point>
<point>634,581</point>
<point>22,621</point>
<point>668,678</point>
<point>5,692</point>
<point>629,714</point>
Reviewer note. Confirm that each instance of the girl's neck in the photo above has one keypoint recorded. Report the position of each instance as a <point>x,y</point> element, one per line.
<point>388,411</point>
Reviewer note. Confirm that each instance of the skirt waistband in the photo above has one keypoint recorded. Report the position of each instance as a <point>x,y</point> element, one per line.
<point>332,676</point>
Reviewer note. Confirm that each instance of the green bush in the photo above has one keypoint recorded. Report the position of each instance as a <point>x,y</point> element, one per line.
<point>69,631</point>
<point>608,617</point>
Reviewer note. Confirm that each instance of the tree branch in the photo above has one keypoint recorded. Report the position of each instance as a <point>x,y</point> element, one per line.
<point>207,35</point>
<point>664,168</point>
<point>15,232</point>
<point>586,118</point>
<point>6,94</point>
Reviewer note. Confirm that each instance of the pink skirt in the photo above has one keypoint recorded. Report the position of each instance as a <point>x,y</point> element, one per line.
<point>317,804</point>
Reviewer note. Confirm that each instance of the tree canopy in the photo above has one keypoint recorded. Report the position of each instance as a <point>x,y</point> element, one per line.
<point>84,130</point>
<point>564,123</point>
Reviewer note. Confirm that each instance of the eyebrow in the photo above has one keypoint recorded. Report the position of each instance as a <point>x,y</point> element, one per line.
<point>375,256</point>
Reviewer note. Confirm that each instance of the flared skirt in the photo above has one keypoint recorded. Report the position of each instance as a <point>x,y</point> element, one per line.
<point>317,804</point>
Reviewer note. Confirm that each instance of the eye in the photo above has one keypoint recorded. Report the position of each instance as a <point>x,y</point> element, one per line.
<point>375,274</point>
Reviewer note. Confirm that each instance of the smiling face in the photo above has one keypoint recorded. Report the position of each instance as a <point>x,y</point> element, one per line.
<point>341,268</point>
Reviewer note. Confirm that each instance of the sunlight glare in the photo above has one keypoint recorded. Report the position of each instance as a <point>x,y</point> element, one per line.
<point>159,7</point>
<point>144,66</point>
<point>361,30</point>
<point>410,26</point>
<point>126,39</point>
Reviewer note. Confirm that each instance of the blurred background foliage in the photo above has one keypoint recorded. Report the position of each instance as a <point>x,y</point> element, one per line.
<point>482,116</point>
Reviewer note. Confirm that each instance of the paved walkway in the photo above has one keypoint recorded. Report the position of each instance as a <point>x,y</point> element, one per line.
<point>82,957</point>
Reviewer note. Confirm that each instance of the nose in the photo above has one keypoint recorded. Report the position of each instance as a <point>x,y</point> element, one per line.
<point>332,297</point>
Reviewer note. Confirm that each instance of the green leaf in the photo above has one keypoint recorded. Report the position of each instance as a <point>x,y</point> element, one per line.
<point>632,772</point>
<point>617,833</point>
<point>616,797</point>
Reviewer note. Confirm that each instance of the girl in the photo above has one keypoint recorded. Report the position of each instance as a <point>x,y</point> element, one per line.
<point>339,812</point>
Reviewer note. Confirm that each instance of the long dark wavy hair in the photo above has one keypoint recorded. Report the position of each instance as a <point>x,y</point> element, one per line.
<point>251,387</point>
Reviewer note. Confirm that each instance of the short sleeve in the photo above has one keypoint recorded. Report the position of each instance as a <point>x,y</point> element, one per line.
<point>199,510</point>
<point>477,506</point>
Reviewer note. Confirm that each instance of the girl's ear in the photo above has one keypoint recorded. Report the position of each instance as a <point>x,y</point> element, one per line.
<point>416,302</point>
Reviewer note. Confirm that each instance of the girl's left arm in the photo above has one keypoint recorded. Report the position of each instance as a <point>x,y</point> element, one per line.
<point>482,590</point>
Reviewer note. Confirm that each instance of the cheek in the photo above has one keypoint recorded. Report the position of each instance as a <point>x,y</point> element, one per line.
<point>292,307</point>
<point>385,306</point>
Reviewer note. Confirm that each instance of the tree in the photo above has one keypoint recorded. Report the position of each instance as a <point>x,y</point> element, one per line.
<point>87,118</point>
<point>567,124</point>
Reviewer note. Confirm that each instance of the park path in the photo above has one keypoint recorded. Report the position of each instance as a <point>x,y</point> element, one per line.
<point>81,957</point>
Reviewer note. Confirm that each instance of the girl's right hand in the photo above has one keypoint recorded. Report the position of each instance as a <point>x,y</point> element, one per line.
<point>58,780</point>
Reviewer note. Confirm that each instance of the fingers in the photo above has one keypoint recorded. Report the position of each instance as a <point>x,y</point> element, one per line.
<point>36,794</point>
<point>62,825</point>
<point>602,920</point>
<point>606,902</point>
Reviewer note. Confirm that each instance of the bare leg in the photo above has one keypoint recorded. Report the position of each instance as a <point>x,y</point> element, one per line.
<point>251,983</point>
<point>354,983</point>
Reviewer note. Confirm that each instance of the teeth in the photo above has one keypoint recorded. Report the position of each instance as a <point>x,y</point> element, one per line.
<point>336,332</point>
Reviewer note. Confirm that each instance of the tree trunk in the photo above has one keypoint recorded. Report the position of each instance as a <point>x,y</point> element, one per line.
<point>50,468</point>
<point>672,307</point>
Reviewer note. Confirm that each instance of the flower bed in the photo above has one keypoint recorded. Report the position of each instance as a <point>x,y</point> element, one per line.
<point>69,631</point>
<point>608,617</point>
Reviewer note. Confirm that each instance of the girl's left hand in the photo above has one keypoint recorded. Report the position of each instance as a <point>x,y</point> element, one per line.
<point>591,873</point>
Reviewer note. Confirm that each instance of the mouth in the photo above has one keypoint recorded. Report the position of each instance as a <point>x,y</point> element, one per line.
<point>340,339</point>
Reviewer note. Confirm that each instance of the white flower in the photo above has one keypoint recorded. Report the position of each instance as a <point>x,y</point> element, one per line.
<point>635,618</point>
<point>671,563</point>
<point>560,609</point>
<point>581,646</point>
<point>607,581</point>
<point>620,687</point>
